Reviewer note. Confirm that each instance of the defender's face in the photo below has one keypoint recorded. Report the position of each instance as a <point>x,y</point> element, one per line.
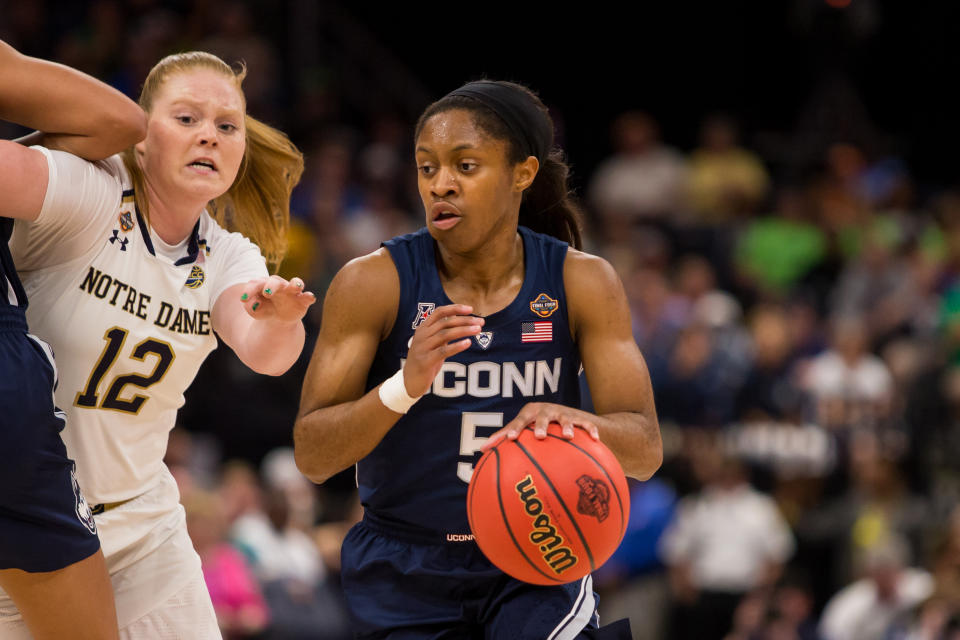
<point>465,180</point>
<point>195,135</point>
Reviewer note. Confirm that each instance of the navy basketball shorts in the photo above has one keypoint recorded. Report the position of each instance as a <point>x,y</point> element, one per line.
<point>406,587</point>
<point>45,523</point>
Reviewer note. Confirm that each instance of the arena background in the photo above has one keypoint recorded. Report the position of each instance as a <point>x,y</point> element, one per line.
<point>796,293</point>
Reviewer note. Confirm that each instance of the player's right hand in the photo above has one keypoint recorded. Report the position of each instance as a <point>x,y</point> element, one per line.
<point>445,333</point>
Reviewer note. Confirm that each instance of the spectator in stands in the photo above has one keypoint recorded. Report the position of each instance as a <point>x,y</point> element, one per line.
<point>237,600</point>
<point>724,542</point>
<point>769,391</point>
<point>849,387</point>
<point>286,560</point>
<point>726,182</point>
<point>876,506</point>
<point>642,183</point>
<point>776,252</point>
<point>694,392</point>
<point>658,316</point>
<point>866,609</point>
<point>633,583</point>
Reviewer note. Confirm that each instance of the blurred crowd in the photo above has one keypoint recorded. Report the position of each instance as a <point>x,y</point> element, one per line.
<point>799,314</point>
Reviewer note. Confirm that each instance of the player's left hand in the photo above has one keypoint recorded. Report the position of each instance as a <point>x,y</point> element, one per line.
<point>538,415</point>
<point>274,298</point>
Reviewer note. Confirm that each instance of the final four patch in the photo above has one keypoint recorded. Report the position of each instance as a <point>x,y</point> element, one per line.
<point>543,306</point>
<point>484,338</point>
<point>196,277</point>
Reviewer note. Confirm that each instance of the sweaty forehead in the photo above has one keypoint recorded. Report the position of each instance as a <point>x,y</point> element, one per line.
<point>204,87</point>
<point>451,129</point>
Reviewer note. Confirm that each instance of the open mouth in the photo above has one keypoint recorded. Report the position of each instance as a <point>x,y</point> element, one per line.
<point>445,216</point>
<point>203,164</point>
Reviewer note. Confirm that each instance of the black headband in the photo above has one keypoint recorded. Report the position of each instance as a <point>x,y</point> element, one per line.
<point>514,107</point>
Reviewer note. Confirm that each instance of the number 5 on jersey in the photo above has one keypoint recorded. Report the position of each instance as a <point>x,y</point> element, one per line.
<point>115,338</point>
<point>470,442</point>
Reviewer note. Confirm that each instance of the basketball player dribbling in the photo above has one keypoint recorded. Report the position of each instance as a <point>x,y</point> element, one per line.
<point>49,549</point>
<point>450,338</point>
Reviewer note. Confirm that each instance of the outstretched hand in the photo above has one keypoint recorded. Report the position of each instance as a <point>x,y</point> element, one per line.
<point>446,332</point>
<point>274,298</point>
<point>538,416</point>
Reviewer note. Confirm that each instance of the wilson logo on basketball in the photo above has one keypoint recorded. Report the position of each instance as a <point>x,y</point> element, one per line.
<point>594,497</point>
<point>544,533</point>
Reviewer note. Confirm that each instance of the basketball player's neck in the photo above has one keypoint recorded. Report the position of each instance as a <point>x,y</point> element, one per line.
<point>487,279</point>
<point>167,217</point>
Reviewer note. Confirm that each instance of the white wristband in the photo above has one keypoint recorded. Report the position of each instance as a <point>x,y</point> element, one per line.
<point>393,394</point>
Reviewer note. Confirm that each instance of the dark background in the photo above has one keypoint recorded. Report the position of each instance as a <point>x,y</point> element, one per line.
<point>877,72</point>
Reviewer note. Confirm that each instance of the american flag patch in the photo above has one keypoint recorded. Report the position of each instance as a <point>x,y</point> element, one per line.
<point>536,331</point>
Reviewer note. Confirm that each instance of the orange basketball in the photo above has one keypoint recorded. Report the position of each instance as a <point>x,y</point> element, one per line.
<point>548,511</point>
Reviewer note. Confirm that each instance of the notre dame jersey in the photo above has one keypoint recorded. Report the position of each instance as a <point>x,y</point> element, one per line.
<point>128,317</point>
<point>418,474</point>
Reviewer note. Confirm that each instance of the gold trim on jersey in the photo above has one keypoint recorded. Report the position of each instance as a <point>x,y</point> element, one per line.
<point>90,398</point>
<point>140,352</point>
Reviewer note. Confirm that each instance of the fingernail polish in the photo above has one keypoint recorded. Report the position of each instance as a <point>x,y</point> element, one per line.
<point>255,305</point>
<point>267,291</point>
<point>244,297</point>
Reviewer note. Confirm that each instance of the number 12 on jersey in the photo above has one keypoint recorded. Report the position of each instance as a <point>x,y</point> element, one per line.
<point>115,337</point>
<point>470,442</point>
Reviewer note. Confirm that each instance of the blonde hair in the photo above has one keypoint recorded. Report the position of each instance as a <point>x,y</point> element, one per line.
<point>257,204</point>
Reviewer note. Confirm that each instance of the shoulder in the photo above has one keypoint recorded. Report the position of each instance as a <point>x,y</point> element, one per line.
<point>226,247</point>
<point>364,296</point>
<point>595,295</point>
<point>583,263</point>
<point>211,231</point>
<point>411,246</point>
<point>585,274</point>
<point>71,166</point>
<point>374,272</point>
<point>369,280</point>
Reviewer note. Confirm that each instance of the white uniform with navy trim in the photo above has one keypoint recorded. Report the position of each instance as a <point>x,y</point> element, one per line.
<point>129,319</point>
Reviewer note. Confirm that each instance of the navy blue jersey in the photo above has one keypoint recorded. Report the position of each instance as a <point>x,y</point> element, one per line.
<point>11,291</point>
<point>418,474</point>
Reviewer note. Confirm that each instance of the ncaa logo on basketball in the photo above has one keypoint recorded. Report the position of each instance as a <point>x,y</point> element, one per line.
<point>544,305</point>
<point>424,309</point>
<point>594,497</point>
<point>84,515</point>
<point>196,277</point>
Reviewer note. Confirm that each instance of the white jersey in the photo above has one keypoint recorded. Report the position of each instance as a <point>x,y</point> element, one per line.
<point>129,325</point>
<point>129,319</point>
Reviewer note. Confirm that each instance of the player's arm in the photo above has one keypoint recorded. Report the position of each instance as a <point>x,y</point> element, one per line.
<point>626,420</point>
<point>262,322</point>
<point>339,422</point>
<point>76,112</point>
<point>84,116</point>
<point>616,371</point>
